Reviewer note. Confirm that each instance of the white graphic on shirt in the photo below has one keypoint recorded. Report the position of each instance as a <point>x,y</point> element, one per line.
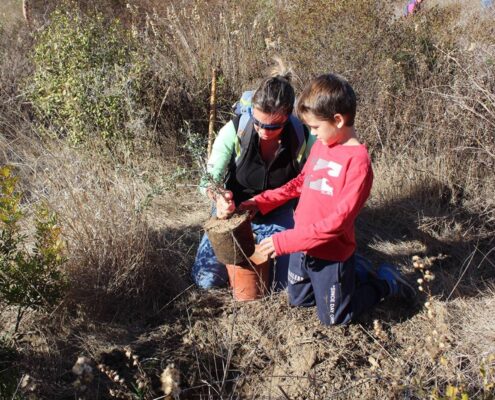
<point>322,184</point>
<point>333,168</point>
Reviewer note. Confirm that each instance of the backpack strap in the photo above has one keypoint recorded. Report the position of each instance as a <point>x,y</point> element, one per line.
<point>244,129</point>
<point>302,139</point>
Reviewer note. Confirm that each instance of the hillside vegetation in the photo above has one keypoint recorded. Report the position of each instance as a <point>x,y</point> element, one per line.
<point>100,217</point>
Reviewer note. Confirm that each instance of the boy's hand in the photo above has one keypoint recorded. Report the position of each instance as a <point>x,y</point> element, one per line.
<point>225,204</point>
<point>267,248</point>
<point>250,206</point>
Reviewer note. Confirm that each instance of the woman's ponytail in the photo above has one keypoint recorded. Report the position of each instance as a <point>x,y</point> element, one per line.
<point>275,95</point>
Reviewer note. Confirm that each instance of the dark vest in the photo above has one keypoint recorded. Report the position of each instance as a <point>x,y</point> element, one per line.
<point>252,176</point>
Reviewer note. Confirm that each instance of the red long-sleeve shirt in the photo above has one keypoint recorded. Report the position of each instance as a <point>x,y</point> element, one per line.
<point>333,187</point>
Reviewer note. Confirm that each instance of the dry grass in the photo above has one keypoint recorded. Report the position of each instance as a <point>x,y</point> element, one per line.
<point>116,259</point>
<point>11,12</point>
<point>475,330</point>
<point>253,355</point>
<point>427,112</point>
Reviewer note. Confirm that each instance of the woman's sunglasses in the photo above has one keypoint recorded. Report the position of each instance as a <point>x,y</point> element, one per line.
<point>268,127</point>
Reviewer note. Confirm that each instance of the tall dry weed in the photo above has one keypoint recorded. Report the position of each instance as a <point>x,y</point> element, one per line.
<point>114,262</point>
<point>186,39</point>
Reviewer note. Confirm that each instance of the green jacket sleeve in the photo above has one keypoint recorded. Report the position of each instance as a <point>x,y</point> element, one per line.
<point>220,156</point>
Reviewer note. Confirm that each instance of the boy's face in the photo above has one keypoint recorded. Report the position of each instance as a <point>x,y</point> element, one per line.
<point>327,132</point>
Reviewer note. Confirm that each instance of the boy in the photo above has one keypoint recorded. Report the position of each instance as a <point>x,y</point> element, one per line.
<point>333,187</point>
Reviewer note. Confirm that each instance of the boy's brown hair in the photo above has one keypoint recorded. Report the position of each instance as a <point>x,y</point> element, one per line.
<point>326,96</point>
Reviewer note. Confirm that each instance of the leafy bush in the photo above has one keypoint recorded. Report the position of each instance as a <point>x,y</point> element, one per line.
<point>28,279</point>
<point>88,76</point>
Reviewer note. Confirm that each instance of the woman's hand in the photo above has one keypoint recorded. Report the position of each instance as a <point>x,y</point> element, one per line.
<point>210,193</point>
<point>250,206</point>
<point>225,204</point>
<point>267,248</point>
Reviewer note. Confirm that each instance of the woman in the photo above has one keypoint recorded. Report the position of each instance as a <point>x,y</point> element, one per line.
<point>261,149</point>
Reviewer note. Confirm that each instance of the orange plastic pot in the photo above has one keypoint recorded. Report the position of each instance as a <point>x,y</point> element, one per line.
<point>251,281</point>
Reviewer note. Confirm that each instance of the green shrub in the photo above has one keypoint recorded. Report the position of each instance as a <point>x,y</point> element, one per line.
<point>87,79</point>
<point>28,279</point>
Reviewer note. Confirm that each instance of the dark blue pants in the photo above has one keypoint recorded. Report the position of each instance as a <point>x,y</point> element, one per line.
<point>331,286</point>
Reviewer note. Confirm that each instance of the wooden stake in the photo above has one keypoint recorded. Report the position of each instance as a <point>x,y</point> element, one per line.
<point>213,109</point>
<point>26,12</point>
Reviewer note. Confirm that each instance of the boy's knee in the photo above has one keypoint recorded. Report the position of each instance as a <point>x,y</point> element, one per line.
<point>302,302</point>
<point>337,311</point>
<point>301,298</point>
<point>332,320</point>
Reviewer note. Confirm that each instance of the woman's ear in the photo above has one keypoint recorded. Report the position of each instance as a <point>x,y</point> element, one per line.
<point>339,120</point>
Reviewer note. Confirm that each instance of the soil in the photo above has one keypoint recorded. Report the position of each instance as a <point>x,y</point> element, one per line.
<point>232,239</point>
<point>217,225</point>
<point>264,349</point>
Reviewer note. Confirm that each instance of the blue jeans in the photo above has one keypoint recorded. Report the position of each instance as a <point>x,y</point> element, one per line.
<point>208,272</point>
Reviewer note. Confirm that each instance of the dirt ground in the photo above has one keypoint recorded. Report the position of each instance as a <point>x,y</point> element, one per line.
<point>265,349</point>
